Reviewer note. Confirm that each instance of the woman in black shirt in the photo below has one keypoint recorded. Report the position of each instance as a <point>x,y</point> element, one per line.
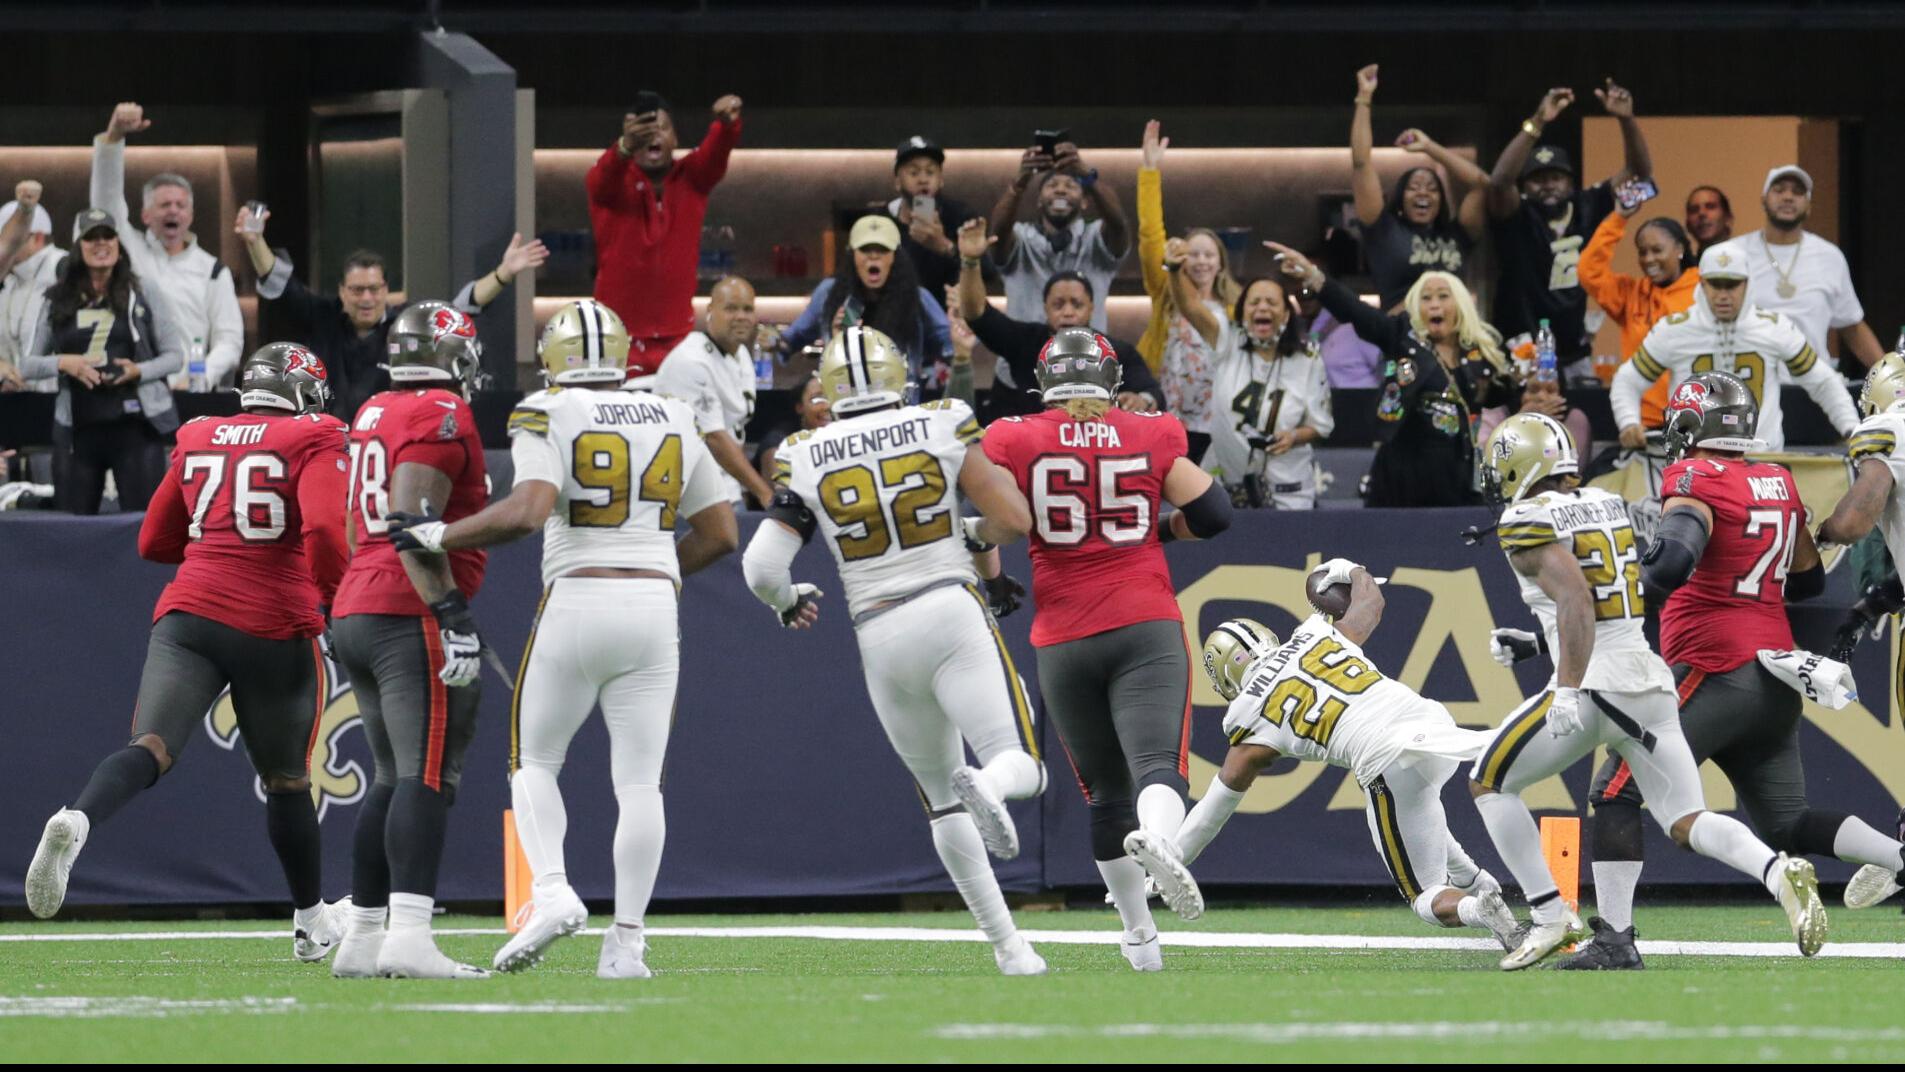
<point>1445,365</point>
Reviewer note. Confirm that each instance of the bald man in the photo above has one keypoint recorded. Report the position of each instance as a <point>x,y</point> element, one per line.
<point>713,371</point>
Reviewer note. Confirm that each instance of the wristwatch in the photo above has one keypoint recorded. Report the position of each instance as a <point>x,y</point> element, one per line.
<point>1088,179</point>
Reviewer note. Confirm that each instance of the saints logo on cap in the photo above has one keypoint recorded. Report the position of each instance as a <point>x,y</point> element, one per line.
<point>1545,155</point>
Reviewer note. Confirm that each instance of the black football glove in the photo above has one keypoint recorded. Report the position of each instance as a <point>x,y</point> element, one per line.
<point>1003,595</point>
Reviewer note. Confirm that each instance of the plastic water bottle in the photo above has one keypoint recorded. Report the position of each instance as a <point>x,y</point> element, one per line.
<point>195,378</point>
<point>1546,369</point>
<point>763,370</point>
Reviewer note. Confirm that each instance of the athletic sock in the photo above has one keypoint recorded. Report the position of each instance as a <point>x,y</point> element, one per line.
<point>292,822</point>
<point>304,918</point>
<point>1469,910</point>
<point>118,778</point>
<point>963,852</point>
<point>1727,840</point>
<point>1463,871</point>
<point>1212,812</point>
<point>1125,878</point>
<point>370,865</point>
<point>1518,840</point>
<point>639,833</point>
<point>542,822</point>
<point>410,913</point>
<point>367,920</point>
<point>413,838</point>
<point>1013,775</point>
<point>1858,842</point>
<point>1614,882</point>
<point>1161,811</point>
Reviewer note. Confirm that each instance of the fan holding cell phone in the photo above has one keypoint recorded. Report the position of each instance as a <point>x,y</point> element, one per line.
<point>1063,239</point>
<point>928,219</point>
<point>1668,280</point>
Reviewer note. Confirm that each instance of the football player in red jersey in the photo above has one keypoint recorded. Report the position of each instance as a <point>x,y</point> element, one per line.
<point>407,639</point>
<point>1732,546</point>
<point>1112,661</point>
<point>251,509</point>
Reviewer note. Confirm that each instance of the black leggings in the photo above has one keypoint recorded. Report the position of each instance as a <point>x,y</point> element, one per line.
<point>128,448</point>
<point>1121,703</point>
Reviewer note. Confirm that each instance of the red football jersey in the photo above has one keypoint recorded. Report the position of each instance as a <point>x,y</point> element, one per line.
<point>1094,487</point>
<point>1735,603</point>
<point>431,427</point>
<point>253,508</point>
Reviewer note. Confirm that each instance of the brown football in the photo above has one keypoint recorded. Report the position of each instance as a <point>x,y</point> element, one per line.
<point>1332,600</point>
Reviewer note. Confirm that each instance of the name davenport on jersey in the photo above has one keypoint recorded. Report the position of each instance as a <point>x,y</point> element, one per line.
<point>882,489</point>
<point>626,467</point>
<point>1593,525</point>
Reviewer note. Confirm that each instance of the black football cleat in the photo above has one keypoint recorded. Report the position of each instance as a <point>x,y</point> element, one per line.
<point>1610,950</point>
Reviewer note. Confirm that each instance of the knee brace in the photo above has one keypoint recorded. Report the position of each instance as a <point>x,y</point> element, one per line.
<point>1424,904</point>
<point>1110,822</point>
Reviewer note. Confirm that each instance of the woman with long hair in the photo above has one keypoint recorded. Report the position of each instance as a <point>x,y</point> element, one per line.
<point>877,286</point>
<point>1197,301</point>
<point>1276,394</point>
<point>1668,281</point>
<point>1446,364</point>
<point>112,345</point>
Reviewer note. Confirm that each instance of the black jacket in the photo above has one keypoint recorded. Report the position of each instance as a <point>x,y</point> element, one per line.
<point>1017,342</point>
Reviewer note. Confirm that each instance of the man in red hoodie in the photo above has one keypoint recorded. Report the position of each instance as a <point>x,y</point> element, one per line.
<point>646,208</point>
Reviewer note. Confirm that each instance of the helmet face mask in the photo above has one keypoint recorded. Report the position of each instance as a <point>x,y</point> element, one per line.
<point>584,342</point>
<point>1884,385</point>
<point>1712,411</point>
<point>433,342</point>
<point>1524,450</point>
<point>862,369</point>
<point>285,376</point>
<point>1078,363</point>
<point>1230,650</point>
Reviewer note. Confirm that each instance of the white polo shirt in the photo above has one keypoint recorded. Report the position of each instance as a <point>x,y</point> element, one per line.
<point>1822,298</point>
<point>718,387</point>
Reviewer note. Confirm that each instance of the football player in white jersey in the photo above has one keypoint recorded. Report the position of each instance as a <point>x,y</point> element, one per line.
<point>1574,552</point>
<point>1317,696</point>
<point>1724,332</point>
<point>605,474</point>
<point>879,486</point>
<point>1878,453</point>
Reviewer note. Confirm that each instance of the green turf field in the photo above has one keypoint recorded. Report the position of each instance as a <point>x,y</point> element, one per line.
<point>812,999</point>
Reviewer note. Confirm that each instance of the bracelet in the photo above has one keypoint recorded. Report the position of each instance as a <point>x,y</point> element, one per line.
<point>1362,102</point>
<point>969,262</point>
<point>1531,128</point>
<point>500,281</point>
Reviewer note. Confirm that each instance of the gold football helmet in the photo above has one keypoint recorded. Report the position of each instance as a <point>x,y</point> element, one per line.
<point>1525,450</point>
<point>862,369</point>
<point>1231,648</point>
<point>584,342</point>
<point>1884,385</point>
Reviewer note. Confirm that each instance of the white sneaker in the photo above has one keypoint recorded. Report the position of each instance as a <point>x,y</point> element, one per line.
<point>988,813</point>
<point>313,942</point>
<point>1161,861</point>
<point>1501,922</point>
<point>1142,951</point>
<point>357,954</point>
<point>1543,939</point>
<point>46,876</point>
<point>11,493</point>
<point>622,957</point>
<point>1015,956</point>
<point>1799,896</point>
<point>1870,886</point>
<point>414,955</point>
<point>562,915</point>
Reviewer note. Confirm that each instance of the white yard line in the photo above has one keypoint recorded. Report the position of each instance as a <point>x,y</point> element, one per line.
<point>1183,939</point>
<point>1453,1030</point>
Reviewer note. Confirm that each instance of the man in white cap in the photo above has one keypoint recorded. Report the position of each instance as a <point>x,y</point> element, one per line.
<point>1803,275</point>
<point>1724,332</point>
<point>30,263</point>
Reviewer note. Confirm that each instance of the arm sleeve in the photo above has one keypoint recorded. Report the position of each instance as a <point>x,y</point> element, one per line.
<point>1596,268</point>
<point>1676,548</point>
<point>768,563</point>
<point>1151,237</point>
<point>1823,384</point>
<point>323,489</point>
<point>1371,324</point>
<point>605,179</point>
<point>227,343</point>
<point>162,535</point>
<point>708,164</point>
<point>1623,396</point>
<point>807,326</point>
<point>108,189</point>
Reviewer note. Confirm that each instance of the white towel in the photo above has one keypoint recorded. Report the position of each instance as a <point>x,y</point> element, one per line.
<point>1813,676</point>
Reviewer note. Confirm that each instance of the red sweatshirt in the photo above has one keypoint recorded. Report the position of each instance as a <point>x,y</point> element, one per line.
<point>647,250</point>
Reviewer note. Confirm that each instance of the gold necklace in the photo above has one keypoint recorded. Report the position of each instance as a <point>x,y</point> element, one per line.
<point>1785,287</point>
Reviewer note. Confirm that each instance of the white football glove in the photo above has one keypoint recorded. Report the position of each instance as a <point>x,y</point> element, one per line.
<point>1510,646</point>
<point>804,594</point>
<point>969,528</point>
<point>1337,571</point>
<point>462,653</point>
<point>1564,712</point>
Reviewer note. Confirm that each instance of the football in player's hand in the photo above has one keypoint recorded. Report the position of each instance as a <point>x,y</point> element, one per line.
<point>1331,599</point>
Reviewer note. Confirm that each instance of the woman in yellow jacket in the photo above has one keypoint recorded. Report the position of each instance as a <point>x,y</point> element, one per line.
<point>1670,276</point>
<point>1221,288</point>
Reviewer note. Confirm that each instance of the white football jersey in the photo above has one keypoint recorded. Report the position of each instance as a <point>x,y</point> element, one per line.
<point>1318,697</point>
<point>626,465</point>
<point>718,387</point>
<point>1880,436</point>
<point>883,489</point>
<point>1593,525</point>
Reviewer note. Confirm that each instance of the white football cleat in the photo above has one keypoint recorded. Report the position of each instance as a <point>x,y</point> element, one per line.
<point>415,955</point>
<point>1015,956</point>
<point>1142,951</point>
<point>562,915</point>
<point>1501,922</point>
<point>1483,882</point>
<point>1543,939</point>
<point>1161,861</point>
<point>1870,886</point>
<point>357,954</point>
<point>313,942</point>
<point>52,865</point>
<point>622,957</point>
<point>1799,896</point>
<point>988,813</point>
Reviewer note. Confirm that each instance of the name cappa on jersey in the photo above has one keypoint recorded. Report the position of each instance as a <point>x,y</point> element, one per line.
<point>871,441</point>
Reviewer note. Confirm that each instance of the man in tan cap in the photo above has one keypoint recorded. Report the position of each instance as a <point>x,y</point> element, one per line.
<point>1803,275</point>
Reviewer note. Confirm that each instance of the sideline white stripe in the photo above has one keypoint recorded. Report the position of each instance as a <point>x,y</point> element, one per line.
<point>1184,939</point>
<point>1595,1030</point>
